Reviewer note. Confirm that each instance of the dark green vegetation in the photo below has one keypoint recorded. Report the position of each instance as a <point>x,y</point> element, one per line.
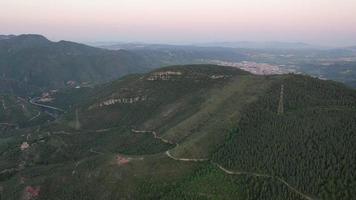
<point>30,64</point>
<point>5,37</point>
<point>180,55</point>
<point>16,112</point>
<point>311,145</point>
<point>226,116</point>
<point>341,71</point>
<point>14,87</point>
<point>33,61</point>
<point>186,106</point>
<point>211,183</point>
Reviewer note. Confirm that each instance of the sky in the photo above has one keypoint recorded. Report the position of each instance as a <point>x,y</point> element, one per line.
<point>325,22</point>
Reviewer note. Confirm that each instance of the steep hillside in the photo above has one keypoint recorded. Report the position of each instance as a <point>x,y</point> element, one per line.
<point>344,72</point>
<point>35,61</point>
<point>309,142</point>
<point>189,132</point>
<point>4,37</point>
<point>183,104</point>
<point>16,112</point>
<point>14,87</point>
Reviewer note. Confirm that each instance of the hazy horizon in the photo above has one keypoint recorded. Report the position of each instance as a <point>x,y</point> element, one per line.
<point>327,22</point>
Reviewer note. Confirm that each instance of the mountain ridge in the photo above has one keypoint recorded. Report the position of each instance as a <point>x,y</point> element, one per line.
<point>36,61</point>
<point>182,131</point>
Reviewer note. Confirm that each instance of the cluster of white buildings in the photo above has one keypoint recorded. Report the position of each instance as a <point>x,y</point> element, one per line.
<point>253,67</point>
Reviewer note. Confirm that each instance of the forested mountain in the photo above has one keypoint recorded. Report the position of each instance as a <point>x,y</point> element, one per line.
<point>4,37</point>
<point>310,143</point>
<point>34,61</point>
<point>189,132</point>
<point>341,71</point>
<point>30,64</point>
<point>166,55</point>
<point>336,64</point>
<point>17,112</point>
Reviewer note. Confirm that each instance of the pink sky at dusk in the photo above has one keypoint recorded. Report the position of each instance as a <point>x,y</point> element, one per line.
<point>328,22</point>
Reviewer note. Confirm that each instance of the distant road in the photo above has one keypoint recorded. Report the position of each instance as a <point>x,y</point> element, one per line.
<point>33,101</point>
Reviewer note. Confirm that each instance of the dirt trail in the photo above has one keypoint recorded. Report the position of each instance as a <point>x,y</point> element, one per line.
<point>4,105</point>
<point>36,116</point>
<point>280,105</point>
<point>101,130</point>
<point>77,123</point>
<point>75,167</point>
<point>169,155</point>
<point>62,133</point>
<point>265,176</point>
<point>96,152</point>
<point>186,159</point>
<point>155,136</point>
<point>34,102</point>
<point>8,124</point>
<point>230,172</point>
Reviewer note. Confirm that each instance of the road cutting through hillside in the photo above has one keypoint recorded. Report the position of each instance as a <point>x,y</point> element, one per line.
<point>36,116</point>
<point>33,101</point>
<point>230,172</point>
<point>226,171</point>
<point>265,176</point>
<point>4,105</point>
<point>186,159</point>
<point>155,136</point>
<point>9,125</point>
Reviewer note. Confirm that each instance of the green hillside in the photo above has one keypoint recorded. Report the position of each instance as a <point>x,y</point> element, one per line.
<point>16,112</point>
<point>310,144</point>
<point>189,132</point>
<point>32,60</point>
<point>186,107</point>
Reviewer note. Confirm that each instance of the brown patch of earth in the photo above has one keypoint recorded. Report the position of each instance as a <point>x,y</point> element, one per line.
<point>31,192</point>
<point>121,160</point>
<point>24,146</point>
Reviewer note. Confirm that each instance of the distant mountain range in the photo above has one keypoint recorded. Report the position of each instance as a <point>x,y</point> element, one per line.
<point>242,45</point>
<point>4,37</point>
<point>36,61</point>
<point>263,45</point>
<point>32,63</point>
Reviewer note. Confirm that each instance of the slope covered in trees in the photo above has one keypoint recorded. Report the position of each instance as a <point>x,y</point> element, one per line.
<point>17,112</point>
<point>189,132</point>
<point>311,145</point>
<point>32,60</point>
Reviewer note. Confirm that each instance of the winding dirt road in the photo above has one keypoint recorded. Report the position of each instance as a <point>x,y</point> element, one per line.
<point>155,136</point>
<point>36,116</point>
<point>33,101</point>
<point>186,159</point>
<point>230,172</point>
<point>265,176</point>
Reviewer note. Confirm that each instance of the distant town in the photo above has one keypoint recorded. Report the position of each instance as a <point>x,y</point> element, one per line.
<point>254,68</point>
